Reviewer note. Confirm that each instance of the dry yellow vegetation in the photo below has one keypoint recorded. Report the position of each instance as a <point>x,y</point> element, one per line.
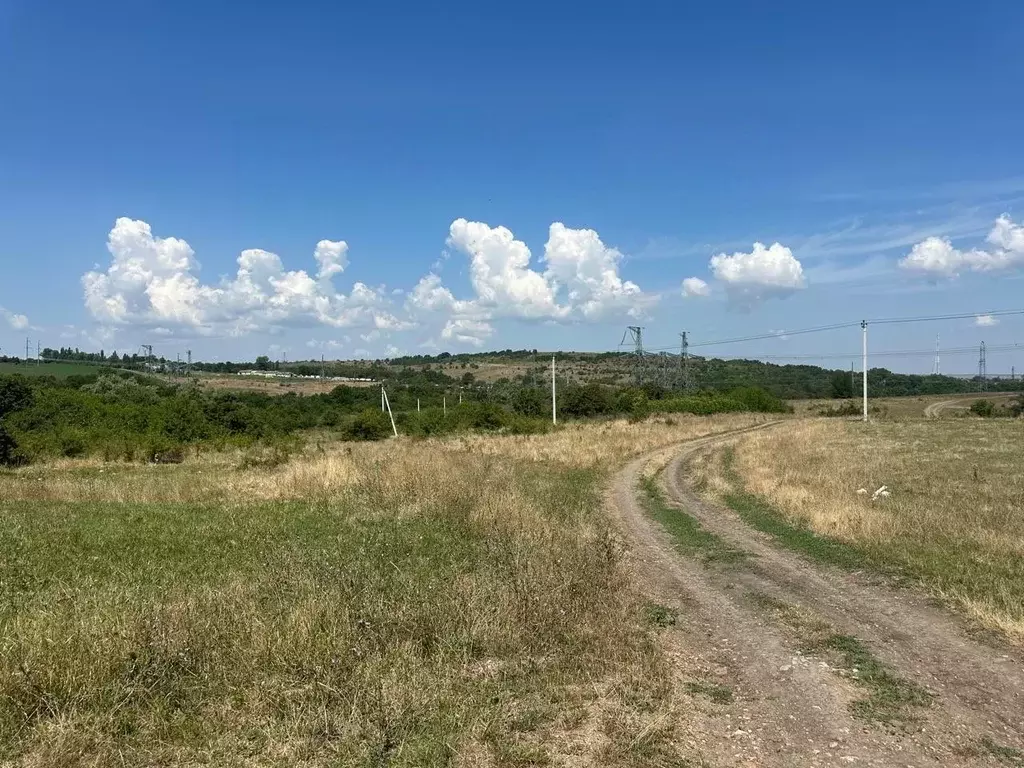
<point>414,602</point>
<point>955,516</point>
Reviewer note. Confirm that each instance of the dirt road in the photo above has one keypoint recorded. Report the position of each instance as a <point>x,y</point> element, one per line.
<point>936,409</point>
<point>742,637</point>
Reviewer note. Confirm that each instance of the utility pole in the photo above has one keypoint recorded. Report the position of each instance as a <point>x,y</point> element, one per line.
<point>554,400</point>
<point>38,359</point>
<point>936,368</point>
<point>636,336</point>
<point>853,381</point>
<point>323,368</point>
<point>390,414</point>
<point>382,397</point>
<point>28,344</point>
<point>864,331</point>
<point>188,369</point>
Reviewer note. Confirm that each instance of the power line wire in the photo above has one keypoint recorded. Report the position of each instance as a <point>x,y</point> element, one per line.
<point>837,326</point>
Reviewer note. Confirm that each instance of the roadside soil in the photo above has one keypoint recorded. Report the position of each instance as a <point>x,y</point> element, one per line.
<point>779,704</point>
<point>935,410</point>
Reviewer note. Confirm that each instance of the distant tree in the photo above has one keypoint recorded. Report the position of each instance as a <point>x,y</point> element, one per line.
<point>262,363</point>
<point>15,394</point>
<point>529,401</point>
<point>840,385</point>
<point>10,456</point>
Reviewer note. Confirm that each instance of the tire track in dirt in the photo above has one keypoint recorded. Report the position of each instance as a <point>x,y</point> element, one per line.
<point>792,709</point>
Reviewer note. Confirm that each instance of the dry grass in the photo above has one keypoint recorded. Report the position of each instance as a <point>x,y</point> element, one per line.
<point>327,470</point>
<point>270,386</point>
<point>407,603</point>
<point>898,408</point>
<point>955,518</point>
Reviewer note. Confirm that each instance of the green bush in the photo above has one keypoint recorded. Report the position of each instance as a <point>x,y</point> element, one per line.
<point>586,401</point>
<point>982,408</point>
<point>371,424</point>
<point>741,399</point>
<point>758,400</point>
<point>10,454</point>
<point>15,395</point>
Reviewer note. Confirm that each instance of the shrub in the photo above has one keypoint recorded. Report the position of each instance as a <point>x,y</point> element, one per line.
<point>982,408</point>
<point>760,401</point>
<point>10,454</point>
<point>15,394</point>
<point>585,401</point>
<point>639,408</point>
<point>487,416</point>
<point>371,424</point>
<point>71,445</point>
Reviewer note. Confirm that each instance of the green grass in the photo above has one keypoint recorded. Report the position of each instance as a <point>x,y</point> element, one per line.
<point>1006,755</point>
<point>58,369</point>
<point>760,514</point>
<point>660,615</point>
<point>890,699</point>
<point>688,536</point>
<point>402,623</point>
<point>951,525</point>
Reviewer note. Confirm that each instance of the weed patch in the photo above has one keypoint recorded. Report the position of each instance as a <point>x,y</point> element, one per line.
<point>890,699</point>
<point>718,694</point>
<point>689,537</point>
<point>1006,755</point>
<point>660,616</point>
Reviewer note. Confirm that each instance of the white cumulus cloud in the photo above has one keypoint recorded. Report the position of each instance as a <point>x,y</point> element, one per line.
<point>581,281</point>
<point>16,321</point>
<point>589,270</point>
<point>937,257</point>
<point>762,273</point>
<point>985,321</point>
<point>694,286</point>
<point>153,281</point>
<point>332,256</point>
<point>467,331</point>
<point>500,271</point>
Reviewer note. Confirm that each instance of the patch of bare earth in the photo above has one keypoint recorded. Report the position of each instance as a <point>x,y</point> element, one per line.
<point>767,648</point>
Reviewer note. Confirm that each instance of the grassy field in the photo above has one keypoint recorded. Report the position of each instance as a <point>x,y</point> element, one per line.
<point>454,602</point>
<point>954,520</point>
<point>58,369</point>
<point>902,407</point>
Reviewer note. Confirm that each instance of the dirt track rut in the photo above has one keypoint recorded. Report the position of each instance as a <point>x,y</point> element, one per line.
<point>792,708</point>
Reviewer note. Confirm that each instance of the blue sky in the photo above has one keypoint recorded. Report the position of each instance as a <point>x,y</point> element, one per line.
<point>148,149</point>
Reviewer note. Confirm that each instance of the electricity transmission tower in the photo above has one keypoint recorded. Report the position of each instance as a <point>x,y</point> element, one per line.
<point>684,361</point>
<point>982,372</point>
<point>936,367</point>
<point>636,336</point>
